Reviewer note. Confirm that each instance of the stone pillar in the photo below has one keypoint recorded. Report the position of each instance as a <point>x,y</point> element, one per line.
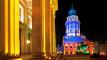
<point>38,34</point>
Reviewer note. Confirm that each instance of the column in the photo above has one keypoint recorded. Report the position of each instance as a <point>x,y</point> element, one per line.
<point>38,34</point>
<point>23,41</point>
<point>4,26</point>
<point>53,34</point>
<point>43,27</point>
<point>51,24</point>
<point>54,37</point>
<point>14,45</point>
<point>54,8</point>
<point>47,27</point>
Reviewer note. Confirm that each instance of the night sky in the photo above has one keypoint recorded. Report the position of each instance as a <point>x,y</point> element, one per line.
<point>92,15</point>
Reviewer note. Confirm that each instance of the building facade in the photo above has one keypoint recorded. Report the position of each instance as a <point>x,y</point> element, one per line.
<point>17,35</point>
<point>43,27</point>
<point>73,41</point>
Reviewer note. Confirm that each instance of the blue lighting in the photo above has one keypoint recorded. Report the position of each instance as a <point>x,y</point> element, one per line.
<point>72,26</point>
<point>72,39</point>
<point>72,12</point>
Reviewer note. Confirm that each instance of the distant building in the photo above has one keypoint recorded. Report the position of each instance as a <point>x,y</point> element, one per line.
<point>100,47</point>
<point>73,41</point>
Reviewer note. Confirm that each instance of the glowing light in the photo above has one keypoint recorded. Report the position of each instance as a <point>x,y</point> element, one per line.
<point>49,58</point>
<point>28,41</point>
<point>46,57</point>
<point>17,59</point>
<point>57,52</point>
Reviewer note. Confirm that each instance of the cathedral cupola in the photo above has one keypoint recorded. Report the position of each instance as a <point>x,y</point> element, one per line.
<point>72,12</point>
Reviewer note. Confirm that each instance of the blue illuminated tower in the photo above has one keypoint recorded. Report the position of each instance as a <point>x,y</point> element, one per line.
<point>72,26</point>
<point>72,37</point>
<point>73,41</point>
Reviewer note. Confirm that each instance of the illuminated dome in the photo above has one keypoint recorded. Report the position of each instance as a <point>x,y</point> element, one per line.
<point>72,12</point>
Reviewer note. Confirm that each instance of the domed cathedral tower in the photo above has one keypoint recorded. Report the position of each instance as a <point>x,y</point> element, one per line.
<point>72,24</point>
<point>72,38</point>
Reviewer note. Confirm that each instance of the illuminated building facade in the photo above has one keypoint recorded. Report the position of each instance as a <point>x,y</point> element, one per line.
<point>15,27</point>
<point>16,19</point>
<point>43,27</point>
<point>73,41</point>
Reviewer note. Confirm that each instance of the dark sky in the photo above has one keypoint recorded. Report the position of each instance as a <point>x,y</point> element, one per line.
<point>92,15</point>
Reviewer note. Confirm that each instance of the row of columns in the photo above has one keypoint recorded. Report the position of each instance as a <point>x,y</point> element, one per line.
<point>43,27</point>
<point>9,27</point>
